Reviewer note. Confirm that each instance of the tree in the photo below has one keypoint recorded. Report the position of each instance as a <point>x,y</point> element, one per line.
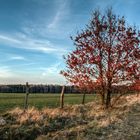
<point>26,96</point>
<point>136,86</point>
<point>107,53</point>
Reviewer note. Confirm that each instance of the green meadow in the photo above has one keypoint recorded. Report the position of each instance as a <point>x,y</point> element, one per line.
<point>9,101</point>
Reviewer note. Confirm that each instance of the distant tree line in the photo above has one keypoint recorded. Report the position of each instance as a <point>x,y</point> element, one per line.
<point>37,89</point>
<point>55,89</point>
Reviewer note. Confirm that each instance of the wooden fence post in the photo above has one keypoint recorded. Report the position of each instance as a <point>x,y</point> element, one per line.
<point>26,96</point>
<point>62,97</point>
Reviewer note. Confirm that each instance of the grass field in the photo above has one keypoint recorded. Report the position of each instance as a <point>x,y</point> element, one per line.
<point>12,100</point>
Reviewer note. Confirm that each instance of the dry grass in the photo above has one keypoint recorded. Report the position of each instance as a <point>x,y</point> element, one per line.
<point>72,122</point>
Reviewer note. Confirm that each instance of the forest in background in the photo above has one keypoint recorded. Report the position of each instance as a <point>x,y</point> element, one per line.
<point>37,89</point>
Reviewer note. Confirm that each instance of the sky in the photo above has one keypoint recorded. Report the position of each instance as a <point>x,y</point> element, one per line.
<point>35,34</point>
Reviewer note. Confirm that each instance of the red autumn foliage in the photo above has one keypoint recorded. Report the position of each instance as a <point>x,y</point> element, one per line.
<point>136,86</point>
<point>107,53</point>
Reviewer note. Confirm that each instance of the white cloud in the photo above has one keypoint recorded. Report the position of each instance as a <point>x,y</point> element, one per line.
<point>23,64</point>
<point>60,14</point>
<point>17,58</point>
<point>9,39</point>
<point>53,69</point>
<point>45,75</point>
<point>5,72</point>
<point>55,21</point>
<point>55,25</point>
<point>23,42</point>
<point>52,74</point>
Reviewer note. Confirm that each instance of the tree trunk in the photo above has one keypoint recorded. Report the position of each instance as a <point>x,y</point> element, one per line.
<point>138,93</point>
<point>62,97</point>
<point>26,96</point>
<point>103,98</point>
<point>108,99</point>
<point>83,101</point>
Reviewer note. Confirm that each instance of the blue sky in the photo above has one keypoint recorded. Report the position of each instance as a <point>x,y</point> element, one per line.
<point>34,34</point>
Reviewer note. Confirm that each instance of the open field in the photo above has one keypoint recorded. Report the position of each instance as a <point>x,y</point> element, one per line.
<point>12,100</point>
<point>76,122</point>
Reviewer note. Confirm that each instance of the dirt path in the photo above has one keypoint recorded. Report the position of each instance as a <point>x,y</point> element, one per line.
<point>127,129</point>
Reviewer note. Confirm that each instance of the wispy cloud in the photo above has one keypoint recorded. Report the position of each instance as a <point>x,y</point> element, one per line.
<point>22,65</point>
<point>46,75</point>
<point>5,72</point>
<point>52,74</point>
<point>61,12</point>
<point>23,42</point>
<point>53,69</point>
<point>54,25</point>
<point>13,73</point>
<point>10,39</point>
<point>17,58</point>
